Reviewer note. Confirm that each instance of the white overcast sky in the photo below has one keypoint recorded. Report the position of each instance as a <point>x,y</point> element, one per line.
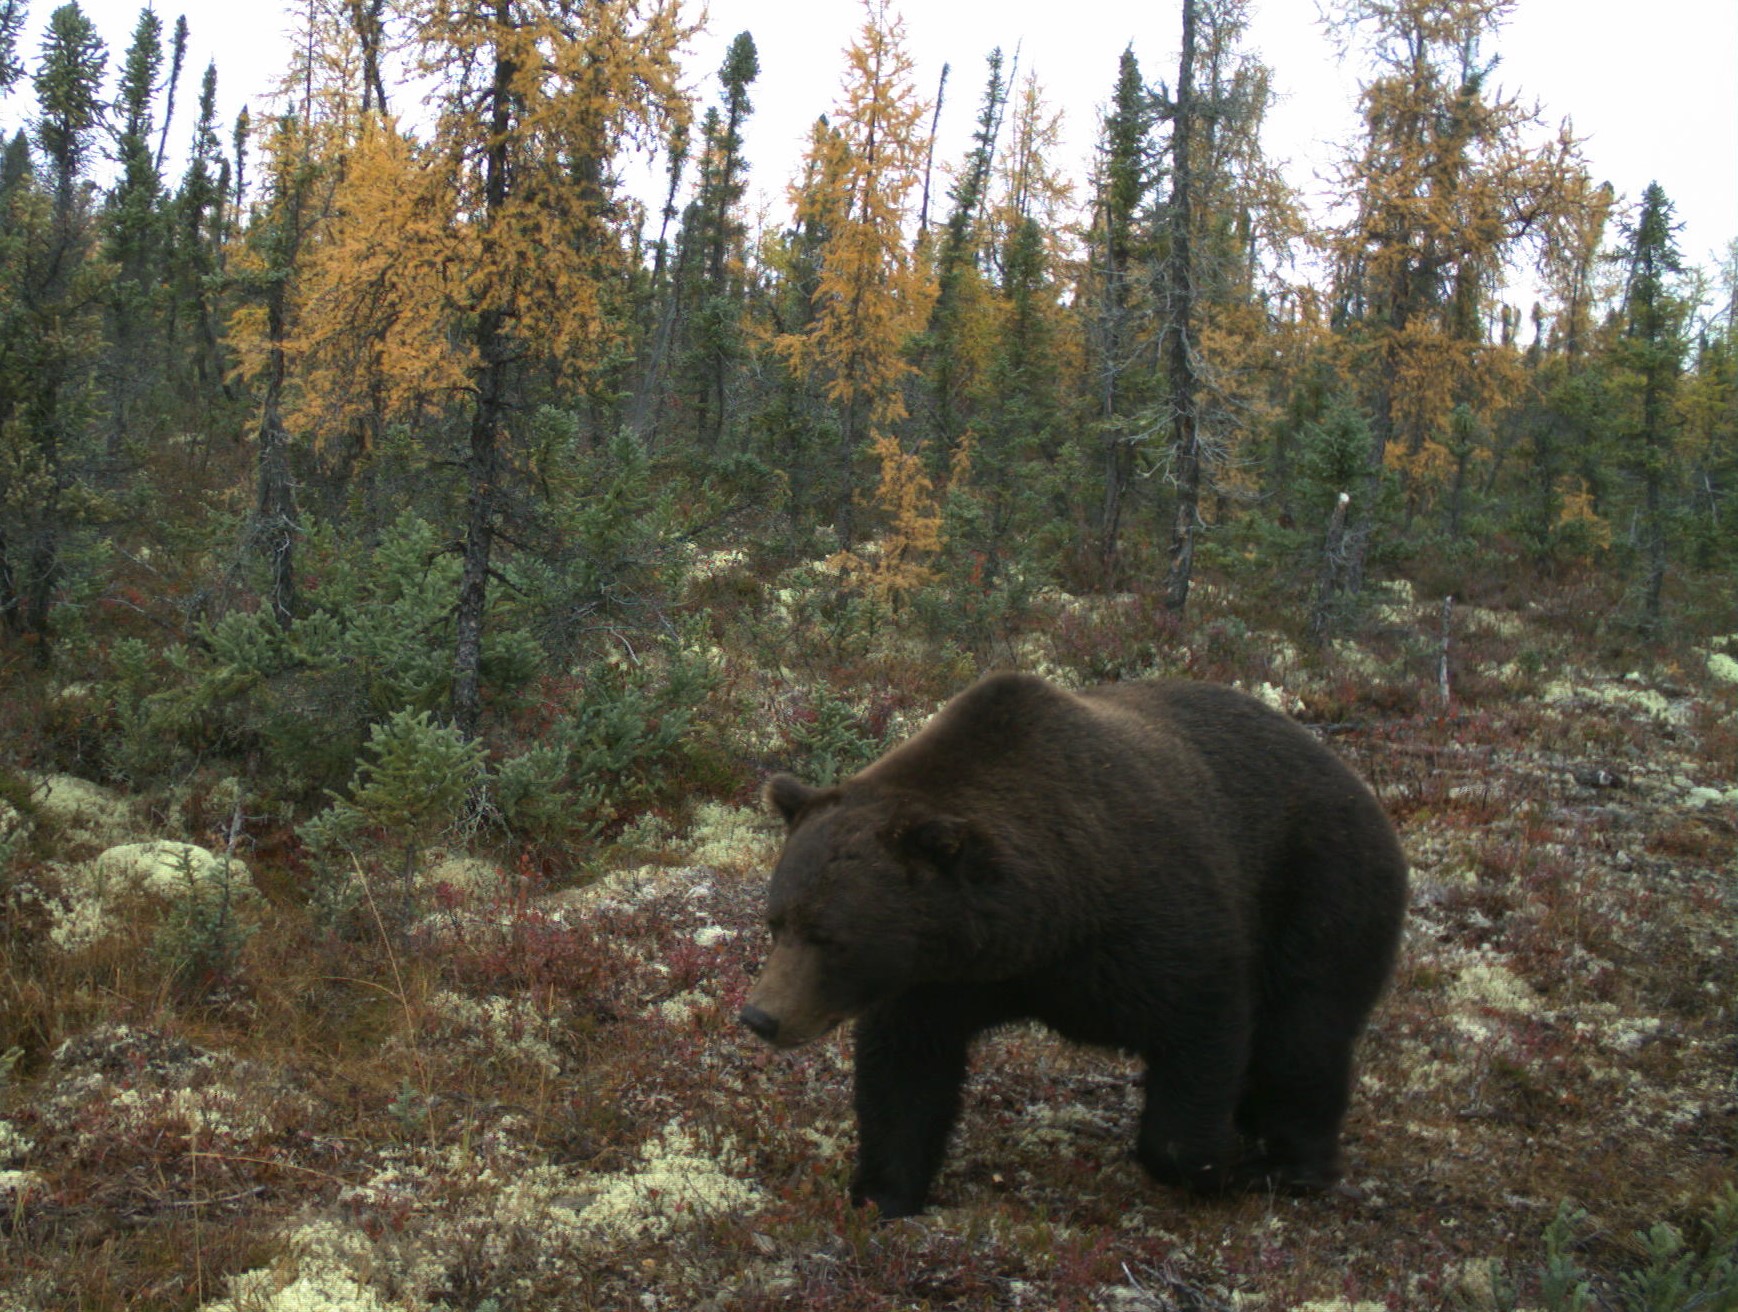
<point>1653,88</point>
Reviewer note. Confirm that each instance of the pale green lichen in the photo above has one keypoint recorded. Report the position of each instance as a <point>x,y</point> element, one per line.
<point>648,832</point>
<point>1048,1127</point>
<point>1698,797</point>
<point>1478,1283</point>
<point>732,838</point>
<point>165,869</point>
<point>169,870</point>
<point>1280,699</point>
<point>1505,624</point>
<point>317,1273</point>
<point>627,887</point>
<point>15,1184</point>
<point>15,1145</point>
<point>1511,674</point>
<point>1631,1032</point>
<point>1482,985</point>
<point>1426,1074</point>
<point>1281,654</point>
<point>711,564</point>
<point>682,1008</point>
<point>1623,696</point>
<point>1356,659</point>
<point>209,1111</point>
<point>467,874</point>
<point>1489,983</point>
<point>827,1146</point>
<point>680,1181</point>
<point>85,813</point>
<point>1723,667</point>
<point>78,921</point>
<point>1032,653</point>
<point>512,1027</point>
<point>318,1291</point>
<point>1394,603</point>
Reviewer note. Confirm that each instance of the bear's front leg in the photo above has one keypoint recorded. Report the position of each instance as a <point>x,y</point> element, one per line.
<point>911,1062</point>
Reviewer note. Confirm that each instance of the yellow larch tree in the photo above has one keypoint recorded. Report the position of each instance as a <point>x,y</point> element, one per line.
<point>1228,221</point>
<point>374,345</point>
<point>1030,183</point>
<point>1245,223</point>
<point>871,294</point>
<point>461,263</point>
<point>1451,178</point>
<point>1562,442</point>
<point>306,138</point>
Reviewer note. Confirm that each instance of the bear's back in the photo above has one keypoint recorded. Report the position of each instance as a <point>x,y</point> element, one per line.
<point>1273,782</point>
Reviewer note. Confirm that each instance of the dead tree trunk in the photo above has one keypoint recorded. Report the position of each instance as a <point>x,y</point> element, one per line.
<point>1330,579</point>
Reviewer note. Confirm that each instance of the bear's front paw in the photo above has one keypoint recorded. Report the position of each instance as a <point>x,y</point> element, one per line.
<point>890,1204</point>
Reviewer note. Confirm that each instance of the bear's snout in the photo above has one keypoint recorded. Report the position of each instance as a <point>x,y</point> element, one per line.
<point>788,1005</point>
<point>762,1024</point>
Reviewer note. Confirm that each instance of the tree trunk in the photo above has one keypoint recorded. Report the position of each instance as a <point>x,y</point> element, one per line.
<point>1119,455</point>
<point>482,472</point>
<point>483,466</point>
<point>845,509</point>
<point>1119,463</point>
<point>44,575</point>
<point>277,523</point>
<point>366,22</point>
<point>1351,577</point>
<point>929,155</point>
<point>1329,584</point>
<point>1180,277</point>
<point>1653,419</point>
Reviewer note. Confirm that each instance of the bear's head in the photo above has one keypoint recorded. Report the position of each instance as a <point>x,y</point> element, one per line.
<point>871,895</point>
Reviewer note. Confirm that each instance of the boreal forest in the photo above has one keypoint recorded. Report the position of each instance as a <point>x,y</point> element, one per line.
<point>421,536</point>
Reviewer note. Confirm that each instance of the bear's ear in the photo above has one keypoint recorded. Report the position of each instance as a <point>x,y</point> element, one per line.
<point>939,840</point>
<point>787,795</point>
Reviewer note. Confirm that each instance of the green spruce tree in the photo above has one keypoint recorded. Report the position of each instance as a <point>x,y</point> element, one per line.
<point>133,238</point>
<point>1650,357</point>
<point>50,332</point>
<point>1117,242</point>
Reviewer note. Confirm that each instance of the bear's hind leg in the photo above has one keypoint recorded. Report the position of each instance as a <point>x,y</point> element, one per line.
<point>1186,1133</point>
<point>1295,1096</point>
<point>910,1064</point>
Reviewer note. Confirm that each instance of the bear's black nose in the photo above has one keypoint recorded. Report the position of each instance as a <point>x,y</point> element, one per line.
<point>757,1020</point>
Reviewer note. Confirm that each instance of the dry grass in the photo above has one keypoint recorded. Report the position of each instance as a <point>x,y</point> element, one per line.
<point>538,1099</point>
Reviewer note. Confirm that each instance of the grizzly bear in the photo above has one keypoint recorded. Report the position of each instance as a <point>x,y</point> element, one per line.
<point>1167,868</point>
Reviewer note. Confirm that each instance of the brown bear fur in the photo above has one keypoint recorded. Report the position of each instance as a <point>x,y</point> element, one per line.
<point>1167,868</point>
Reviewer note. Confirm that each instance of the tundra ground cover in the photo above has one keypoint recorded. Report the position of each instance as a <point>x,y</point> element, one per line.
<point>532,1093</point>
